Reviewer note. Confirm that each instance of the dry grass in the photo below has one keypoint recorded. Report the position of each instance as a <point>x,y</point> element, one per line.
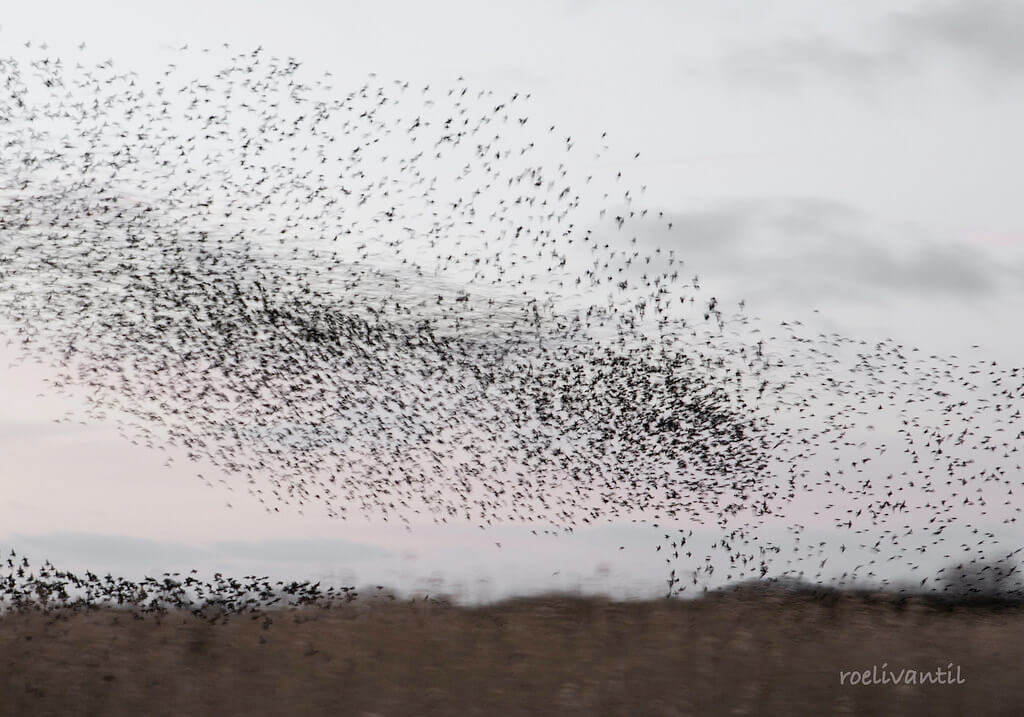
<point>767,653</point>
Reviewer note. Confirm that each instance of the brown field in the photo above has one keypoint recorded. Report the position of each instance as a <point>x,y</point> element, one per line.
<point>742,653</point>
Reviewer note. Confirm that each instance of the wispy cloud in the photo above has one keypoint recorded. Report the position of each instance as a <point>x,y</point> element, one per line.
<point>988,33</point>
<point>791,62</point>
<point>137,555</point>
<point>810,250</point>
<point>982,36</point>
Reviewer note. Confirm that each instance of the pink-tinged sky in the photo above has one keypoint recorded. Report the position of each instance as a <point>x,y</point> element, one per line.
<point>863,160</point>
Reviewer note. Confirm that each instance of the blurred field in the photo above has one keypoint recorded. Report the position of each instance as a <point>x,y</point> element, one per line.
<point>739,653</point>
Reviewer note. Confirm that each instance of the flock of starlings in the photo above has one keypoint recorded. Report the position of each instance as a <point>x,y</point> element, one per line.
<point>409,302</point>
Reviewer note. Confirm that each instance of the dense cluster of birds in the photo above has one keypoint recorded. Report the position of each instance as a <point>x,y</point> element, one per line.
<point>61,593</point>
<point>403,300</point>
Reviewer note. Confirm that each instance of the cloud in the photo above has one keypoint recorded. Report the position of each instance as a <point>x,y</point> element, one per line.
<point>794,61</point>
<point>982,36</point>
<point>138,555</point>
<point>321,550</point>
<point>988,33</point>
<point>802,252</point>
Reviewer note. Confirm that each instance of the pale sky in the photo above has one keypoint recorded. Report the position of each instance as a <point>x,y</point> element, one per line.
<point>862,159</point>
